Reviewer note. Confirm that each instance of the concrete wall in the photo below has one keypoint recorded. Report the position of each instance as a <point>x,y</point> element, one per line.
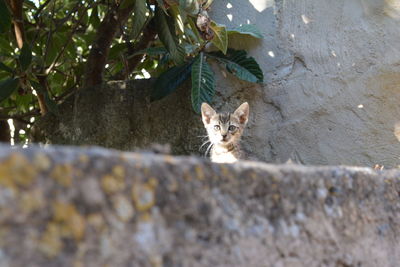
<point>65,206</point>
<point>332,87</point>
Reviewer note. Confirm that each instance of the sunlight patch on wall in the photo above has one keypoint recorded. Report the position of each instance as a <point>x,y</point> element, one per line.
<point>261,5</point>
<point>397,131</point>
<point>271,54</point>
<point>305,19</point>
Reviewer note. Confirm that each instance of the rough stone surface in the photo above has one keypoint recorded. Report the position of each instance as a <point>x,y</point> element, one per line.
<point>65,206</point>
<point>331,92</point>
<point>120,115</point>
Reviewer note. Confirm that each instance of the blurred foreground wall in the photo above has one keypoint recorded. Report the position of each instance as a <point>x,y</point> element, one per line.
<point>68,206</point>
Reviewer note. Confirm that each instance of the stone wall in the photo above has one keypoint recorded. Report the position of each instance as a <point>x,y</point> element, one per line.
<point>120,115</point>
<point>66,206</point>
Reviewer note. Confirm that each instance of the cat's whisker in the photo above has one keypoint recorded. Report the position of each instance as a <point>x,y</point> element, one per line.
<point>203,137</point>
<point>209,148</point>
<point>206,142</point>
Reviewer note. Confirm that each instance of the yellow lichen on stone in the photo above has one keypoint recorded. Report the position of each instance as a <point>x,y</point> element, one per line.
<point>63,174</point>
<point>17,170</point>
<point>31,201</point>
<point>119,171</point>
<point>84,159</point>
<point>112,184</point>
<point>199,172</point>
<point>96,221</point>
<point>50,243</point>
<point>153,182</point>
<point>143,196</point>
<point>41,161</point>
<point>187,175</point>
<point>115,181</point>
<point>123,208</point>
<point>225,172</point>
<point>72,224</point>
<point>5,176</point>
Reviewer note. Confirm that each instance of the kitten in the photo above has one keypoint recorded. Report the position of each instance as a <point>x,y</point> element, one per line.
<point>224,131</point>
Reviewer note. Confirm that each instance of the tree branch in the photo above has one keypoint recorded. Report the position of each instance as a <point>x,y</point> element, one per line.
<point>99,52</point>
<point>37,13</point>
<point>20,117</point>
<point>149,35</point>
<point>16,9</point>
<point>53,64</point>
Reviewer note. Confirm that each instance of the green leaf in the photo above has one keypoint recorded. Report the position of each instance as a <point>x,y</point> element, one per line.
<point>5,67</point>
<point>247,29</point>
<point>25,57</point>
<point>139,19</point>
<point>203,83</point>
<point>50,103</point>
<point>94,17</point>
<point>220,39</point>
<point>243,67</point>
<point>116,50</point>
<point>5,21</point>
<point>29,4</point>
<point>190,6</point>
<point>179,16</point>
<point>170,80</point>
<point>192,24</point>
<point>7,87</point>
<point>167,34</point>
<point>160,4</point>
<point>207,3</point>
<point>127,3</point>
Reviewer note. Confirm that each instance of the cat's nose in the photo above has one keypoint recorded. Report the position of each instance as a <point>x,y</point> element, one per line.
<point>224,136</point>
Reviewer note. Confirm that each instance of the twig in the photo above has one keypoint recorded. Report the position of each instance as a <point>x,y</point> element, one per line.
<point>148,36</point>
<point>98,54</point>
<point>52,65</point>
<point>40,9</point>
<point>31,113</point>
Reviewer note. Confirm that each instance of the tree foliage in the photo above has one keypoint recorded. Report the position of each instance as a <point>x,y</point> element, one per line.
<point>49,48</point>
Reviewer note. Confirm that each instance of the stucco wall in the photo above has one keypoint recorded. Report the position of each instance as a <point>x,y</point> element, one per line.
<point>332,87</point>
<point>66,206</point>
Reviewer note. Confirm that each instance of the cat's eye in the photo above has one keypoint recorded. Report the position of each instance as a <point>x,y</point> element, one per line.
<point>232,128</point>
<point>216,127</point>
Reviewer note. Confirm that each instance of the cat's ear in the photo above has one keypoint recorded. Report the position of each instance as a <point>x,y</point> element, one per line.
<point>206,113</point>
<point>242,112</point>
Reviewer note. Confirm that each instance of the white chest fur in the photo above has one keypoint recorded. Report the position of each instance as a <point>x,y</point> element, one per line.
<point>227,157</point>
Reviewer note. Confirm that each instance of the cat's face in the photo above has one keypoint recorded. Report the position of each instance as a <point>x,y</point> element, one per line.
<point>224,128</point>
